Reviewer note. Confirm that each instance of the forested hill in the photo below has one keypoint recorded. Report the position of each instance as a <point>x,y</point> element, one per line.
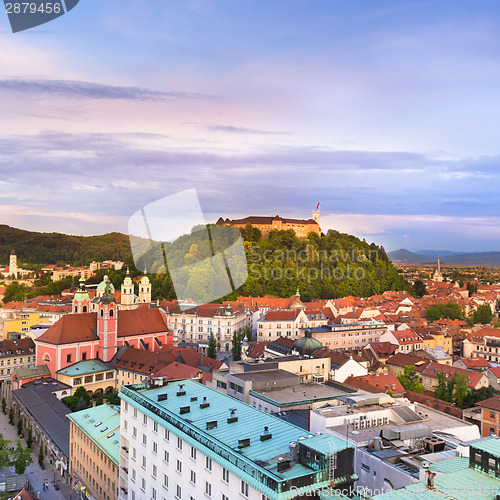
<point>48,248</point>
<point>328,266</point>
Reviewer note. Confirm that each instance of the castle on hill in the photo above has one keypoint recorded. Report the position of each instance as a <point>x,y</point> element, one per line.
<point>302,227</point>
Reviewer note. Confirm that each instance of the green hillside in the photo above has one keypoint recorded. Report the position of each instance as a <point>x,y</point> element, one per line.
<point>49,248</point>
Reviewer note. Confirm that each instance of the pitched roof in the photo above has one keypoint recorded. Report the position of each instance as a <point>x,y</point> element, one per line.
<point>176,371</point>
<point>82,327</point>
<point>433,368</point>
<point>491,403</point>
<point>376,383</point>
<point>401,359</point>
<point>478,362</point>
<point>32,371</point>
<point>282,315</point>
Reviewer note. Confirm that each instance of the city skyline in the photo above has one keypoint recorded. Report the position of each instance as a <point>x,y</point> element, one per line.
<point>383,112</point>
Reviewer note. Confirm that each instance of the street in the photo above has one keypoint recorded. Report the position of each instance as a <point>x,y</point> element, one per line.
<point>36,475</point>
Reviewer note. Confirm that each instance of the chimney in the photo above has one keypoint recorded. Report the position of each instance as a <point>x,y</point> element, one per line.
<point>430,479</point>
<point>386,371</point>
<point>104,401</point>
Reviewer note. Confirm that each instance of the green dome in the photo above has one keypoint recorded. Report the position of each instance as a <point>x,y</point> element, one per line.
<point>307,346</point>
<point>102,285</point>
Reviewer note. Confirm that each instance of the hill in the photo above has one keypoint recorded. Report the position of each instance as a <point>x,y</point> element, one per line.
<point>403,255</point>
<point>328,266</point>
<point>48,248</point>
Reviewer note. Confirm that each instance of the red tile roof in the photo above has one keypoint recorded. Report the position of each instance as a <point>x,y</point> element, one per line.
<point>433,368</point>
<point>377,383</point>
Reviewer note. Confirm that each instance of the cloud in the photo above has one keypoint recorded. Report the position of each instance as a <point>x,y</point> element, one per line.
<point>243,130</point>
<point>73,89</point>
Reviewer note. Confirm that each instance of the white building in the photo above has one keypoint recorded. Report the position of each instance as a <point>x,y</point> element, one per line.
<point>189,442</point>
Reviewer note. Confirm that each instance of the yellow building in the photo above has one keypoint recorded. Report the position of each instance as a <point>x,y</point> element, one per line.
<point>16,323</point>
<point>94,451</point>
<point>93,374</point>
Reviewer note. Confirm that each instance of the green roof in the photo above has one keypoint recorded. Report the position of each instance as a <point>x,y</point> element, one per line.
<point>491,446</point>
<point>84,368</point>
<point>222,441</point>
<point>101,424</point>
<point>35,371</point>
<point>465,484</point>
<point>450,465</point>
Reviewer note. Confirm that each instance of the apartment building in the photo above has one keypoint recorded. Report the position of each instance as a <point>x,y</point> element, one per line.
<point>94,451</point>
<point>187,441</point>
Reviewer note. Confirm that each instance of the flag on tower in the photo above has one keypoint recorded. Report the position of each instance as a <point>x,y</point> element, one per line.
<point>317,208</point>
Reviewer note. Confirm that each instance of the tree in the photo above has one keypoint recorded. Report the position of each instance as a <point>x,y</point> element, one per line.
<point>5,460</point>
<point>410,380</point>
<point>450,310</point>
<point>460,389</point>
<point>20,426</point>
<point>4,404</point>
<point>481,315</point>
<point>420,288</point>
<point>79,401</point>
<point>22,458</point>
<point>236,350</point>
<point>41,457</point>
<point>29,441</point>
<point>212,347</point>
<point>248,334</point>
<point>11,416</point>
<point>441,391</point>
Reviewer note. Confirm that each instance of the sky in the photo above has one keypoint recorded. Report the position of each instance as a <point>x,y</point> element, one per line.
<point>386,112</point>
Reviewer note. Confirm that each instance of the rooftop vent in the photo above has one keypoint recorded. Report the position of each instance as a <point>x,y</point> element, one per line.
<point>194,398</point>
<point>243,443</point>
<point>211,424</point>
<point>267,435</point>
<point>181,392</point>
<point>205,404</point>
<point>185,409</point>
<point>232,418</point>
<point>283,464</point>
<point>162,397</point>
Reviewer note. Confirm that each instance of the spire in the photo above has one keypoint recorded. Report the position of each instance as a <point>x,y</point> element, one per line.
<point>439,266</point>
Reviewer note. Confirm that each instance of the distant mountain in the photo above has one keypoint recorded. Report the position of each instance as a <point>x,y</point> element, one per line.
<point>403,255</point>
<point>446,257</point>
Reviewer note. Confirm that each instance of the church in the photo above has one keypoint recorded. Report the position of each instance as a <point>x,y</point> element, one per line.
<point>97,328</point>
<point>12,271</point>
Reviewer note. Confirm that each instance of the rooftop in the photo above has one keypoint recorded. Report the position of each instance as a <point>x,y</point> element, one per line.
<point>84,367</point>
<point>101,424</point>
<point>298,394</point>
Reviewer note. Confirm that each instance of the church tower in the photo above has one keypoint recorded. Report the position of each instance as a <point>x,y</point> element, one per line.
<point>127,298</point>
<point>144,290</point>
<point>107,325</point>
<point>13,264</point>
<point>81,300</point>
<point>437,275</point>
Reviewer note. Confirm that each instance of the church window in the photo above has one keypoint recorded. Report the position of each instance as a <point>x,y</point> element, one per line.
<point>111,312</point>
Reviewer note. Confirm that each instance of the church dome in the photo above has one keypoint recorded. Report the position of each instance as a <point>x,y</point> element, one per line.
<point>307,345</point>
<point>102,285</point>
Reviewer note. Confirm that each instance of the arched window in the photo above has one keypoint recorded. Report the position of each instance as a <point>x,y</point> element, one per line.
<point>102,313</point>
<point>84,309</point>
<point>76,308</point>
<point>111,312</point>
<point>46,357</point>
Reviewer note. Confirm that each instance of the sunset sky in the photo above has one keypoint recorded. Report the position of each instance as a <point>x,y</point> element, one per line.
<point>385,111</point>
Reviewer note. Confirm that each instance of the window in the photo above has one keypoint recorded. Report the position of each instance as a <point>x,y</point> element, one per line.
<point>492,414</point>
<point>208,488</point>
<point>144,439</point>
<point>166,435</point>
<point>144,419</point>
<point>135,412</point>
<point>155,448</point>
<point>68,358</point>
<point>244,489</point>
<point>143,462</point>
<point>153,494</point>
<point>134,453</point>
<point>154,470</point>
<point>178,491</point>
<point>178,466</point>
<point>193,477</point>
<point>165,481</point>
<point>134,431</point>
<point>143,484</point>
<point>84,356</point>
<point>155,426</point>
<point>166,456</point>
<point>208,463</point>
<point>193,452</point>
<point>224,497</point>
<point>225,475</point>
<point>133,475</point>
<point>365,467</point>
<point>179,443</point>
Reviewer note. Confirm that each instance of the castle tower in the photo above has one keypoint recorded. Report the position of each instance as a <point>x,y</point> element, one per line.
<point>316,214</point>
<point>107,325</point>
<point>13,264</point>
<point>127,298</point>
<point>144,290</point>
<point>81,300</point>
